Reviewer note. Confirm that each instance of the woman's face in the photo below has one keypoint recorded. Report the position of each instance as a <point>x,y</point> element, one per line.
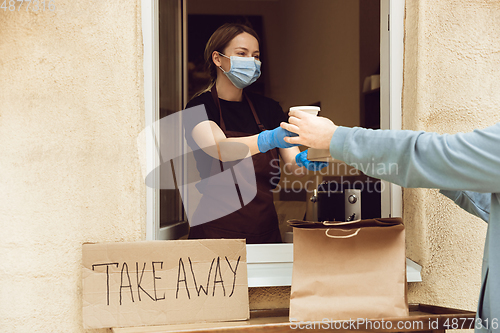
<point>243,45</point>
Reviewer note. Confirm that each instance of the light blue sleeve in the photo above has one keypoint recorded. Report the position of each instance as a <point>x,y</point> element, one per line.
<point>473,202</point>
<point>464,161</point>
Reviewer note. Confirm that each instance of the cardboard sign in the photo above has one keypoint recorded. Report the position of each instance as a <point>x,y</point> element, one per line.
<point>164,282</point>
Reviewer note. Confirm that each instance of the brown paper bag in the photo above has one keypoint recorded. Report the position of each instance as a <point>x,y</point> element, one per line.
<point>348,270</point>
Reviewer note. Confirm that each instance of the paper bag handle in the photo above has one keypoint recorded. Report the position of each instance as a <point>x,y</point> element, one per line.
<point>342,237</point>
<point>340,223</point>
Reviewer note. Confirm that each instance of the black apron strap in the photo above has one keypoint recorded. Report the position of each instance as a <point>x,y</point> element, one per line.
<point>217,103</point>
<point>256,117</point>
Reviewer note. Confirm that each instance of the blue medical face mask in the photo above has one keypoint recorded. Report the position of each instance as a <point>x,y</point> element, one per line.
<point>243,72</point>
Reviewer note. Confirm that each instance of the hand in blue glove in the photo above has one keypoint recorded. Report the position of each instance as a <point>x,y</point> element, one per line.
<point>302,161</point>
<point>268,140</point>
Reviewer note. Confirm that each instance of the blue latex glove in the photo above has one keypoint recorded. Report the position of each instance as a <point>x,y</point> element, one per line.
<point>268,140</point>
<point>302,161</point>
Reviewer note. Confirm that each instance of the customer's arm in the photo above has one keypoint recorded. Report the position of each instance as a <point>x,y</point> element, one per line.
<point>473,202</point>
<point>469,161</point>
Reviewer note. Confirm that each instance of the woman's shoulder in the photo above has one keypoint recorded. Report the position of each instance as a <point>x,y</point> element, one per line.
<point>202,98</point>
<point>210,108</point>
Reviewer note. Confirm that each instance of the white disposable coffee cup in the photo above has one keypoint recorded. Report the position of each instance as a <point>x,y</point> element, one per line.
<point>309,109</point>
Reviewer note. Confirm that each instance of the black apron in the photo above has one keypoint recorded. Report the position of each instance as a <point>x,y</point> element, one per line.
<point>257,221</point>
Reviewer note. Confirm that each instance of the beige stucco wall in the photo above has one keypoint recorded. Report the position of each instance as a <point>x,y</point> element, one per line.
<point>452,59</point>
<point>71,106</point>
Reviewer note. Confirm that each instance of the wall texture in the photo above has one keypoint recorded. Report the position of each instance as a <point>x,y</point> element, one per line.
<point>452,58</point>
<point>71,107</point>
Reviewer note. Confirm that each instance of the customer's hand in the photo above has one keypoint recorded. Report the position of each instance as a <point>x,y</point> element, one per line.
<point>302,161</point>
<point>268,140</point>
<point>313,131</point>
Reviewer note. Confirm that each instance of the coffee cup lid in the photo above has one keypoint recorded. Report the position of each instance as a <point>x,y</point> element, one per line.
<point>305,108</point>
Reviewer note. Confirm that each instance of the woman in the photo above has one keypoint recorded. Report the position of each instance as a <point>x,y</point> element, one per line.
<point>236,117</point>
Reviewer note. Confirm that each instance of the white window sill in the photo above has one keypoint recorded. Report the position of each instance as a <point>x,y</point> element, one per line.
<point>276,269</point>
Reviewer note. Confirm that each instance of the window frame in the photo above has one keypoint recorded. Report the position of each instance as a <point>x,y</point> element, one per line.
<point>271,264</point>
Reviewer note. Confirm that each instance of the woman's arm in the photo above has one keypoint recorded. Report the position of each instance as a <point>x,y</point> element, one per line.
<point>209,137</point>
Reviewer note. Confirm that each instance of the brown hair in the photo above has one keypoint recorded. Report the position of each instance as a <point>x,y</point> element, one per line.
<point>219,41</point>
